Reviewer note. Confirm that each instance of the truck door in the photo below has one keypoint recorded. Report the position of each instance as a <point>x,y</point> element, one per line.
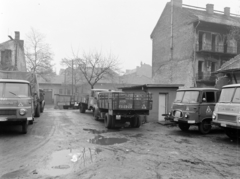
<point>208,101</point>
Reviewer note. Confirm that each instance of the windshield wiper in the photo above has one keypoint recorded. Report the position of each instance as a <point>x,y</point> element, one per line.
<point>13,93</point>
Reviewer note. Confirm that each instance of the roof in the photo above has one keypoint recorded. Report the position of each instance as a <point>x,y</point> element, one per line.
<point>153,86</point>
<point>198,89</point>
<point>13,81</point>
<point>99,89</point>
<point>232,85</point>
<point>216,18</point>
<point>230,66</point>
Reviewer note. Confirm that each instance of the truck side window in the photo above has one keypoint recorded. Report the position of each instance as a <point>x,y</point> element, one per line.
<point>210,97</point>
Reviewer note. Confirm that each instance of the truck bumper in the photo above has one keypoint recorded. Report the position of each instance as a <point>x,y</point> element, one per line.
<point>226,125</point>
<point>4,119</point>
<point>182,120</point>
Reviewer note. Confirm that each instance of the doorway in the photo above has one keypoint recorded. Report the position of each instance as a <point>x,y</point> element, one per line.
<point>162,106</point>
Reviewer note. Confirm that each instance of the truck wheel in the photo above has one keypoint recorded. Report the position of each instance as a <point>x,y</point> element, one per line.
<point>95,114</point>
<point>205,126</point>
<point>37,111</point>
<point>42,108</point>
<point>184,127</point>
<point>231,133</point>
<point>24,127</point>
<point>81,108</point>
<point>135,122</point>
<point>109,121</point>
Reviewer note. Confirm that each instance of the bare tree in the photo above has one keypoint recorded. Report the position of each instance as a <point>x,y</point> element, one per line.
<point>38,54</point>
<point>95,67</point>
<point>71,74</point>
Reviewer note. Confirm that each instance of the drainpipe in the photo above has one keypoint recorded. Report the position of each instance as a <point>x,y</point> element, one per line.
<point>171,42</point>
<point>194,55</point>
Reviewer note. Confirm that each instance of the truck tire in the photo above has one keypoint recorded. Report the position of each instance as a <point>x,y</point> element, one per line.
<point>24,127</point>
<point>205,126</point>
<point>42,108</point>
<point>184,127</point>
<point>232,133</point>
<point>81,108</point>
<point>95,114</point>
<point>109,121</point>
<point>37,111</point>
<point>135,122</point>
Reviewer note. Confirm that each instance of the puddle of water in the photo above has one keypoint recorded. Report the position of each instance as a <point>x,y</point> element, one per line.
<point>106,140</point>
<point>95,131</point>
<point>137,135</point>
<point>67,161</point>
<point>186,141</point>
<point>14,174</point>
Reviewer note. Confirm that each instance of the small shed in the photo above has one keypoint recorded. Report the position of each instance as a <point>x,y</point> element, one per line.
<point>163,96</point>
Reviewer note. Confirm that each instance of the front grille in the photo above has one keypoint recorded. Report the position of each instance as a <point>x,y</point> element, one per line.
<point>7,112</point>
<point>226,118</point>
<point>177,113</point>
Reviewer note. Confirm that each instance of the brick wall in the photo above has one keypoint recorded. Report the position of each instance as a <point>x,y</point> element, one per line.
<point>179,69</point>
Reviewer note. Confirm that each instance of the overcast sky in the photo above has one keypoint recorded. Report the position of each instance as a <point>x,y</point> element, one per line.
<point>119,27</point>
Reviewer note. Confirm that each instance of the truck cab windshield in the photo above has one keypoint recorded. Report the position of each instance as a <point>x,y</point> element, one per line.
<point>190,97</point>
<point>13,90</point>
<point>226,95</point>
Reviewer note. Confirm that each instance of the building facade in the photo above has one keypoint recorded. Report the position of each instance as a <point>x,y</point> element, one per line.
<point>12,55</point>
<point>189,43</point>
<point>140,75</point>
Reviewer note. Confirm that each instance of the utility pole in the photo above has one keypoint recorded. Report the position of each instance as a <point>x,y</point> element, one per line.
<point>72,77</point>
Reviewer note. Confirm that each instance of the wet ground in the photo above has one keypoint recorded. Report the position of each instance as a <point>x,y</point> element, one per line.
<point>64,144</point>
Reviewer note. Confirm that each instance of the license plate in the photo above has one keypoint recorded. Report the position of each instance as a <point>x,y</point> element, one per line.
<point>223,125</point>
<point>118,117</point>
<point>177,114</point>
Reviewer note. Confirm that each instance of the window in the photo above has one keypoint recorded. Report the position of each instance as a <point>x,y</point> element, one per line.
<point>190,97</point>
<point>179,96</point>
<point>236,98</point>
<point>226,95</point>
<point>208,97</point>
<point>13,90</point>
<point>68,91</point>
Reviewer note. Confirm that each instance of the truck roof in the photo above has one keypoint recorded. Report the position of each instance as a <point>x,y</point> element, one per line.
<point>198,89</point>
<point>99,89</point>
<point>13,81</point>
<point>231,86</point>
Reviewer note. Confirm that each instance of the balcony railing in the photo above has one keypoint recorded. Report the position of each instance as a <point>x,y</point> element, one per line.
<point>205,77</point>
<point>219,49</point>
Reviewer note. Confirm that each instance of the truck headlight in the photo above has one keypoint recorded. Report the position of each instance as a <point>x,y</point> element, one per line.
<point>238,119</point>
<point>22,112</point>
<point>214,116</point>
<point>186,116</point>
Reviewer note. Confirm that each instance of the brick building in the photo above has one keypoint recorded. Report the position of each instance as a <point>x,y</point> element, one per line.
<point>189,43</point>
<point>12,55</point>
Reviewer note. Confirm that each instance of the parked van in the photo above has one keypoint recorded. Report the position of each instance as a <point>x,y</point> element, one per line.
<point>227,111</point>
<point>194,106</point>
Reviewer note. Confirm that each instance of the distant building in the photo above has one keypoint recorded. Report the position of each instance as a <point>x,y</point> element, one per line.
<point>140,75</point>
<point>189,43</point>
<point>12,55</point>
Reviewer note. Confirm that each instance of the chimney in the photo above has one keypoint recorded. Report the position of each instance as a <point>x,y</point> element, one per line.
<point>177,3</point>
<point>227,11</point>
<point>17,35</point>
<point>209,8</point>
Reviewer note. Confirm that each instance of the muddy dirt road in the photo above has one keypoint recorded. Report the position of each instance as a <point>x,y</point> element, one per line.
<point>64,144</point>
